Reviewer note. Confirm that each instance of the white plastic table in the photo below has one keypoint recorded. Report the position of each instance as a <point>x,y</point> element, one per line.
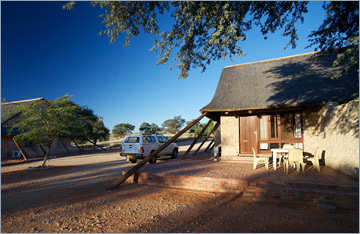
<point>275,151</point>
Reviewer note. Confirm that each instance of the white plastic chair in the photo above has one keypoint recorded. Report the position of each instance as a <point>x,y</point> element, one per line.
<point>257,158</point>
<point>295,156</point>
<point>316,159</point>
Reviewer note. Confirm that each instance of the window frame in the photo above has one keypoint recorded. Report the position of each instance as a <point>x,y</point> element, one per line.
<point>278,140</point>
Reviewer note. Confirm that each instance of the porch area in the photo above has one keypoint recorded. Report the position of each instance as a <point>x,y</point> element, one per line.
<point>329,188</point>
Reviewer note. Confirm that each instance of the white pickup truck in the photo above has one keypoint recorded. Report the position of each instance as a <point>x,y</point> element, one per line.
<point>135,147</point>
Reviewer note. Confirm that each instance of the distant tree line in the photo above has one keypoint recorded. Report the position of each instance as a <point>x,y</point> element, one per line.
<point>172,126</point>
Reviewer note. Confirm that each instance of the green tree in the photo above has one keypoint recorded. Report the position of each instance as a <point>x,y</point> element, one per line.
<point>201,126</point>
<point>155,128</point>
<point>340,31</point>
<point>96,131</point>
<point>145,127</point>
<point>173,125</point>
<point>89,127</point>
<point>123,129</point>
<point>149,129</point>
<point>44,121</point>
<point>193,128</point>
<point>206,31</point>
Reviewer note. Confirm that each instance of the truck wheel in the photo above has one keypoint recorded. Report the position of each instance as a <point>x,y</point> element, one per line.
<point>133,160</point>
<point>174,153</point>
<point>153,160</point>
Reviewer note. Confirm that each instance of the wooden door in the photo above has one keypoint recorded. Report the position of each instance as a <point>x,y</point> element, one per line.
<point>248,134</point>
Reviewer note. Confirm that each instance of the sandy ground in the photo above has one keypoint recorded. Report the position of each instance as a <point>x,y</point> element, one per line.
<point>72,197</point>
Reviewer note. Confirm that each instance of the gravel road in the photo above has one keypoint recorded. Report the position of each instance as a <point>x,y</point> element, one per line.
<point>72,197</point>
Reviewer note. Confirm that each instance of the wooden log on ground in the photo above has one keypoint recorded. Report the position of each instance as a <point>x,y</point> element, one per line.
<point>208,135</point>
<point>196,139</point>
<point>119,181</point>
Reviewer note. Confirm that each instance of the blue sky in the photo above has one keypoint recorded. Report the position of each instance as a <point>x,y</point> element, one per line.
<point>49,52</point>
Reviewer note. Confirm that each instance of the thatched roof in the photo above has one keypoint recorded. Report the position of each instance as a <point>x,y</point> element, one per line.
<point>284,82</point>
<point>6,114</point>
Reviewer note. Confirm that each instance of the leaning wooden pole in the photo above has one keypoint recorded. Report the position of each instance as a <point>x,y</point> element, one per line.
<point>196,139</point>
<point>212,147</point>
<point>76,145</point>
<point>63,144</point>
<point>17,145</point>
<point>208,135</point>
<point>119,181</point>
<point>209,145</point>
<point>42,149</point>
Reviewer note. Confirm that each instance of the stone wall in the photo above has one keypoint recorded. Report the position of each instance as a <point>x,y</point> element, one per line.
<point>229,136</point>
<point>335,130</point>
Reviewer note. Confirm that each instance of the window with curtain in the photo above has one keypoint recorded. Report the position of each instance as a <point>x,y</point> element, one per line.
<point>263,127</point>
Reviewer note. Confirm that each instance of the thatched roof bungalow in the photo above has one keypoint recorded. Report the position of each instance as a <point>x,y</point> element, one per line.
<point>269,103</point>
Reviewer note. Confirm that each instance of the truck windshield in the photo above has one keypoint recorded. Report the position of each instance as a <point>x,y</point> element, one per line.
<point>132,140</point>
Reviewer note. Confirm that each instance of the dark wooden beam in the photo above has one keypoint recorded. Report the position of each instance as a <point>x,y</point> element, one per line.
<point>76,144</point>
<point>119,181</point>
<point>42,148</point>
<point>212,147</point>
<point>208,135</point>
<point>61,141</point>
<point>95,144</point>
<point>209,145</point>
<point>196,139</point>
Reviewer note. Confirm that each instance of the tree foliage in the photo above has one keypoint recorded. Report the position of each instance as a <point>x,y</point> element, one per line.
<point>207,31</point>
<point>193,128</point>
<point>89,127</point>
<point>44,121</point>
<point>173,125</point>
<point>146,128</point>
<point>201,126</point>
<point>123,129</point>
<point>340,31</point>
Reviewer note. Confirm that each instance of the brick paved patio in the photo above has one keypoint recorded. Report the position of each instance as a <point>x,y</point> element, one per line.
<point>202,173</point>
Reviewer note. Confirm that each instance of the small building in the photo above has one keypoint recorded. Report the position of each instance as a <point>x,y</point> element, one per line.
<point>288,100</point>
<point>12,149</point>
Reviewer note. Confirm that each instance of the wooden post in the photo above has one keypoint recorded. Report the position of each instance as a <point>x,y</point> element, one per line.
<point>209,145</point>
<point>119,181</point>
<point>196,139</point>
<point>67,150</point>
<point>17,145</point>
<point>208,135</point>
<point>76,144</point>
<point>212,147</point>
<point>96,144</point>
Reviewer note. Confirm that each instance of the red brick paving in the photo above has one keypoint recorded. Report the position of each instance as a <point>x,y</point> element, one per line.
<point>205,167</point>
<point>201,173</point>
